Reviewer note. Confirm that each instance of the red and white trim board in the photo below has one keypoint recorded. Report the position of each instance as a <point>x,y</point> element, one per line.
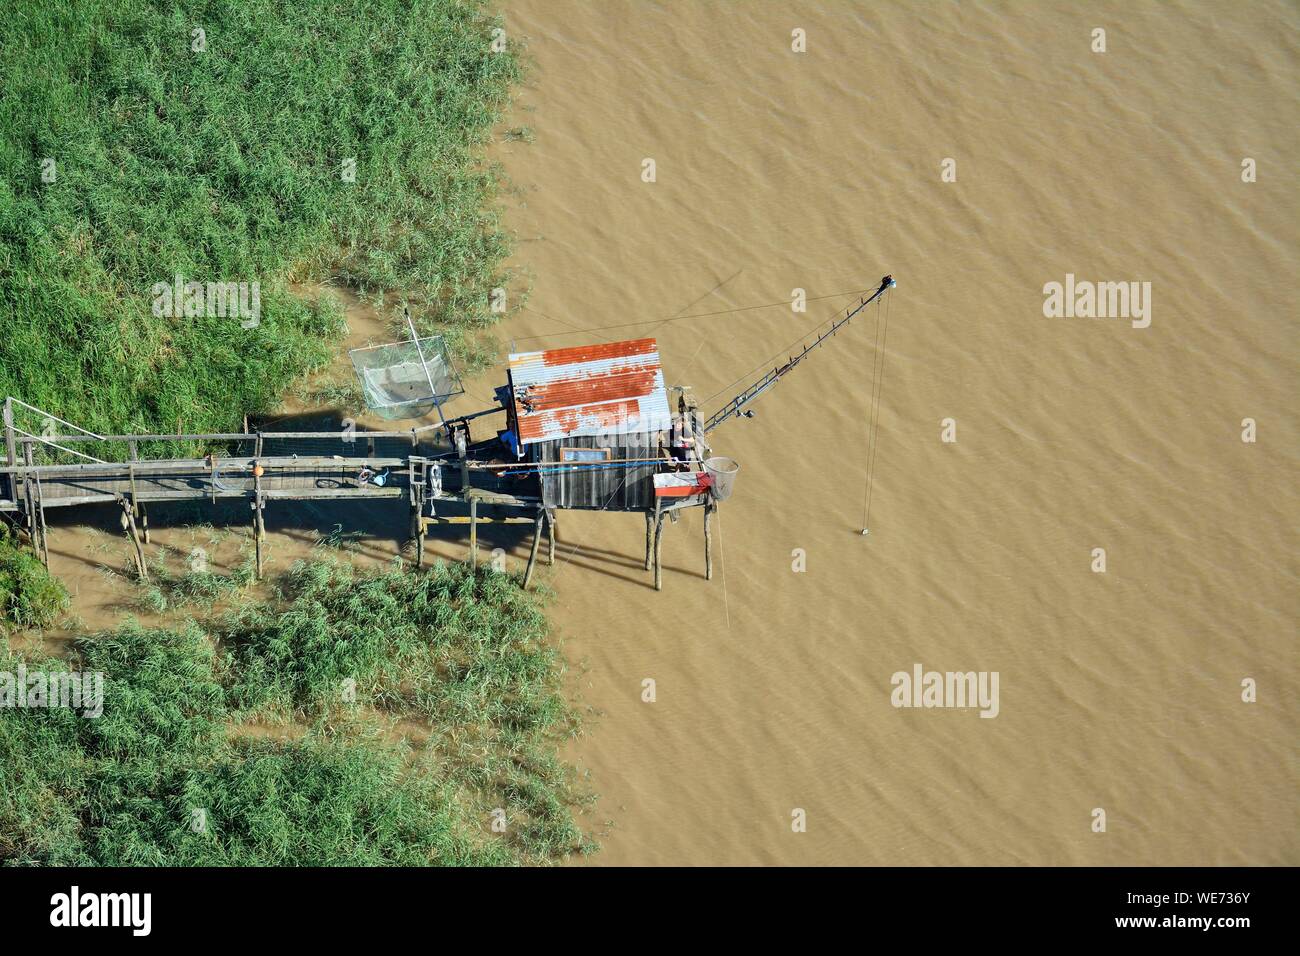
<point>681,484</point>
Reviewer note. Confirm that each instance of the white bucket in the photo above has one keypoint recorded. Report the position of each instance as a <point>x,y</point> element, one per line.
<point>723,472</point>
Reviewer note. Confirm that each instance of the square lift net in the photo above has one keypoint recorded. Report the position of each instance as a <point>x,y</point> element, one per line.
<point>406,379</point>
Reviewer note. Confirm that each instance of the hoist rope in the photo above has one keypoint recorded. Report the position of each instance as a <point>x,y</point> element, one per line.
<point>877,390</point>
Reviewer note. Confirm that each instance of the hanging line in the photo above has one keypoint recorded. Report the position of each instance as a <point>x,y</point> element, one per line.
<point>722,561</point>
<point>676,318</point>
<point>776,356</point>
<point>878,389</point>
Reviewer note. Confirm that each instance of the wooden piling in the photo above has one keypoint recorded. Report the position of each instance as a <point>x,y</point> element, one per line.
<point>415,484</point>
<point>537,543</point>
<point>659,538</point>
<point>43,548</point>
<point>259,525</point>
<point>29,502</point>
<point>134,534</point>
<point>259,533</point>
<point>34,508</point>
<point>708,541</point>
<point>473,533</point>
<point>649,539</point>
<point>144,522</point>
<point>417,534</point>
<point>421,530</point>
<point>257,543</point>
<point>550,536</point>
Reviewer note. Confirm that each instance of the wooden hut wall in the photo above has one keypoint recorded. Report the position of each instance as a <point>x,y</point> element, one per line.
<point>601,488</point>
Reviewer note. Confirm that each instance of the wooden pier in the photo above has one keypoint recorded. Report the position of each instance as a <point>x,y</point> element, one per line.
<point>589,427</point>
<point>440,487</point>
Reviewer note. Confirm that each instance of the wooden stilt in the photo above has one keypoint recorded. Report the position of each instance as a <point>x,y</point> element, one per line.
<point>39,543</point>
<point>259,533</point>
<point>417,535</point>
<point>32,510</point>
<point>134,534</point>
<point>550,537</point>
<point>45,528</point>
<point>537,542</point>
<point>259,522</point>
<point>649,539</point>
<point>708,542</point>
<point>35,533</point>
<point>659,539</point>
<point>257,545</point>
<point>473,533</point>
<point>40,531</point>
<point>144,522</point>
<point>417,479</point>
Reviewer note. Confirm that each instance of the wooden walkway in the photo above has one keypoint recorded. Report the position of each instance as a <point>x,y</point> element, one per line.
<point>417,471</point>
<point>53,486</point>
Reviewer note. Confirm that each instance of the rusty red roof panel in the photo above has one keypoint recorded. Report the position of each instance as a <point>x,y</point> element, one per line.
<point>602,350</point>
<point>589,390</point>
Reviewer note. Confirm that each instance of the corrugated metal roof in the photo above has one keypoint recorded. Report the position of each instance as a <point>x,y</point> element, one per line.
<point>589,390</point>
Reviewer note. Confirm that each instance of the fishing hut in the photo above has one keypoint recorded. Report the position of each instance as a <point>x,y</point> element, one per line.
<point>596,426</point>
<point>592,428</point>
<point>592,420</point>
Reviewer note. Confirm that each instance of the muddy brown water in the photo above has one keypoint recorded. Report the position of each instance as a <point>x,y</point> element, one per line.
<point>822,170</point>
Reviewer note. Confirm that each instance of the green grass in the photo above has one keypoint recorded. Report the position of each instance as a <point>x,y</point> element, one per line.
<point>167,590</point>
<point>467,654</point>
<point>29,596</point>
<point>225,165</point>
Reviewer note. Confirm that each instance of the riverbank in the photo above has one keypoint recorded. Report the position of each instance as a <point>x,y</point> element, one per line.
<point>326,164</point>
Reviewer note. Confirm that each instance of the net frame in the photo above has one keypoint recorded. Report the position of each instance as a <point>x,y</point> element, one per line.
<point>395,377</point>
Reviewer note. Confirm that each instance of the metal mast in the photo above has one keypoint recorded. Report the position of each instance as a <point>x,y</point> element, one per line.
<point>433,390</point>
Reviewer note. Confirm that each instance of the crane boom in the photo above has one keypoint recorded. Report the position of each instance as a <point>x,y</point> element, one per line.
<point>737,404</point>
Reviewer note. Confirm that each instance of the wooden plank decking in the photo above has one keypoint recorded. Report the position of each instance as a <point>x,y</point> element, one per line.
<point>180,479</point>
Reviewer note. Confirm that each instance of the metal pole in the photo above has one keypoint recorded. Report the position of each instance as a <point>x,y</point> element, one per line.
<point>425,365</point>
<point>9,447</point>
